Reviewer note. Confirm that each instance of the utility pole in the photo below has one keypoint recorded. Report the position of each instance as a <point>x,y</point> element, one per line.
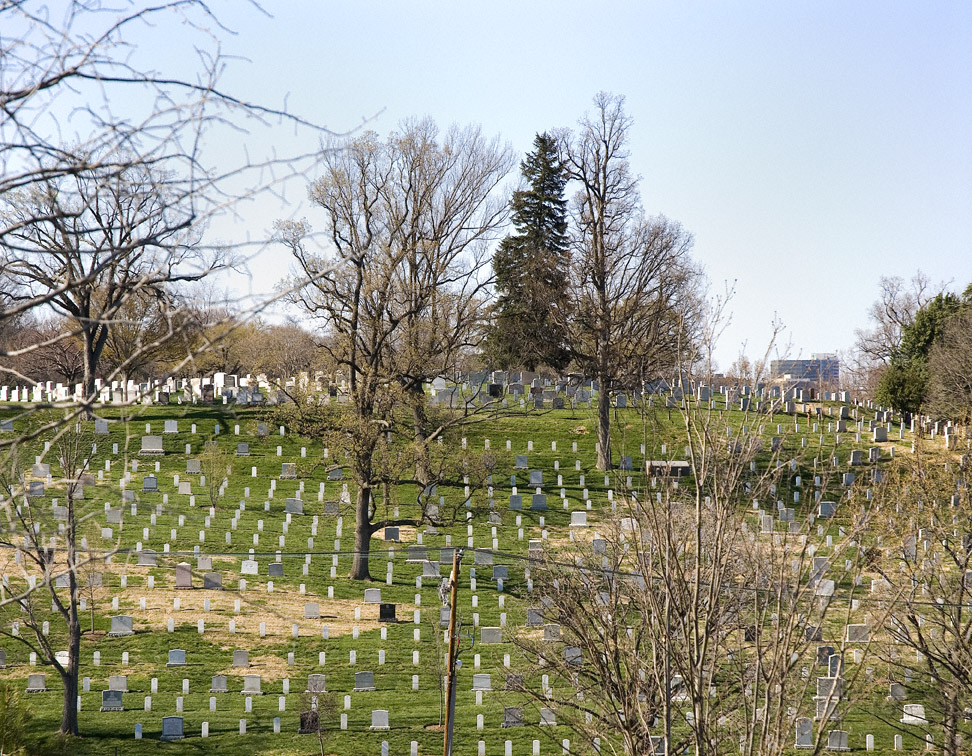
<point>451,668</point>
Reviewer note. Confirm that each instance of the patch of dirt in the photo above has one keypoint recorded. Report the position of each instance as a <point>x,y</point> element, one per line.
<point>405,533</point>
<point>278,610</point>
<point>270,669</point>
<point>580,430</point>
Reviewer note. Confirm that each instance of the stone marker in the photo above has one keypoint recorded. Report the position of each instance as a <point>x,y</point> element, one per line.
<point>172,728</point>
<point>121,626</point>
<point>152,446</point>
<point>804,734</point>
<point>364,681</point>
<point>212,581</point>
<point>177,658</point>
<point>183,576</point>
<point>914,714</point>
<point>512,716</point>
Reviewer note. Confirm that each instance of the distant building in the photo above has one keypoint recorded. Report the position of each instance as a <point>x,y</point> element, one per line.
<point>819,370</point>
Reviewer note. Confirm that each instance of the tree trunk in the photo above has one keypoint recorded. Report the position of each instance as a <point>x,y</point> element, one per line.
<point>603,425</point>
<point>89,374</point>
<point>69,717</point>
<point>950,745</point>
<point>419,422</point>
<point>362,534</point>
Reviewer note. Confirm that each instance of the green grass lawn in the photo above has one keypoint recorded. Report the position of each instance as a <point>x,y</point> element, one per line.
<point>414,714</point>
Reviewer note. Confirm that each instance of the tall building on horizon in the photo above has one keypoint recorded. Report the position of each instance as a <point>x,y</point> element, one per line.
<point>821,369</point>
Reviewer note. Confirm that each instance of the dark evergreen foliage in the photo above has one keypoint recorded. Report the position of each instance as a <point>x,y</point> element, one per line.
<point>528,327</point>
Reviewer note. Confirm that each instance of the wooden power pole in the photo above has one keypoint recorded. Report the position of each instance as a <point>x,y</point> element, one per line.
<point>451,667</point>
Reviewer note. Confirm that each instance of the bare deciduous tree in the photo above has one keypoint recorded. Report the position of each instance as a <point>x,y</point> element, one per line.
<point>634,284</point>
<point>411,217</point>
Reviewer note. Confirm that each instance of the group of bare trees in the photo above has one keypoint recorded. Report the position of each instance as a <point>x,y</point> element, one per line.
<point>106,192</point>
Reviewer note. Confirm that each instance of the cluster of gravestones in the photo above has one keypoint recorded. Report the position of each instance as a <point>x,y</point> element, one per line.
<point>543,486</point>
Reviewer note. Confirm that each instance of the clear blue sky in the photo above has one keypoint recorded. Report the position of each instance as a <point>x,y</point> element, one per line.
<point>810,147</point>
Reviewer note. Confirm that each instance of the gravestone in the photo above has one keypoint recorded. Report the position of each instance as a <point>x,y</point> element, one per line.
<point>521,462</point>
<point>372,595</point>
<point>148,558</point>
<point>275,570</point>
<point>538,502</point>
<point>111,700</point>
<point>837,740</point>
<point>193,467</point>
<point>379,719</point>
<point>249,567</point>
<point>219,684</point>
<point>288,471</point>
<point>212,581</point>
<point>243,449</point>
<point>101,427</point>
<point>897,692</point>
<point>251,685</point>
<point>152,446</point>
<point>316,684</point>
<point>500,572</point>
<point>914,714</point>
<point>516,501</point>
<point>386,613</point>
<point>512,716</point>
<point>36,683</point>
<point>241,658</point>
<point>121,626</point>
<point>312,611</point>
<point>177,658</point>
<point>482,681</point>
<point>150,484</point>
<point>548,718</point>
<point>364,681</point>
<point>336,474</point>
<point>823,655</point>
<point>171,426</point>
<point>392,534</point>
<point>536,478</point>
<point>183,576</point>
<point>490,635</point>
<point>172,728</point>
<point>804,734</point>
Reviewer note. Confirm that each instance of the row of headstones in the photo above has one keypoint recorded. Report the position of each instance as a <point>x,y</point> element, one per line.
<point>173,728</point>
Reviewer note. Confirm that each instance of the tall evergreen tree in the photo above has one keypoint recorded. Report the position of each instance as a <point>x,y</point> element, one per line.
<point>531,266</point>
